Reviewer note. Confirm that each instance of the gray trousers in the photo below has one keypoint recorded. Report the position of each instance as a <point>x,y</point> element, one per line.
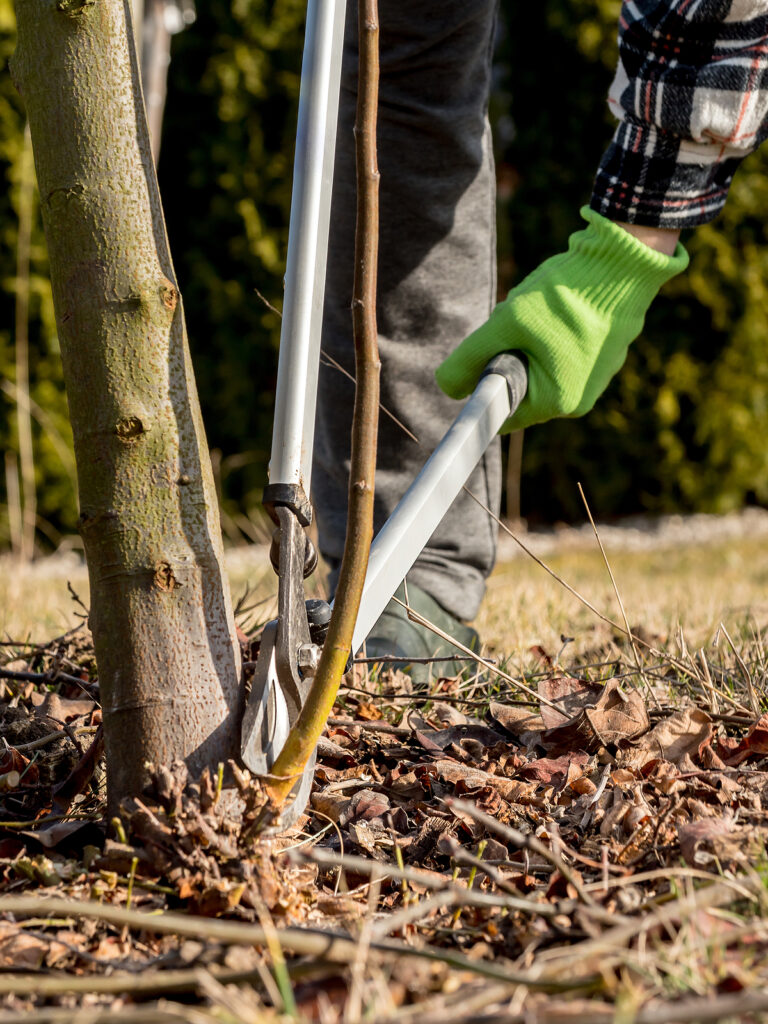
<point>437,277</point>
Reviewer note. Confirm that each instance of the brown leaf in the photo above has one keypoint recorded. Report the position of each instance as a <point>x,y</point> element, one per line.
<point>430,831</point>
<point>365,805</point>
<point>370,838</point>
<point>681,735</point>
<point>538,652</point>
<point>516,720</point>
<point>333,753</point>
<point>754,743</point>
<point>583,786</point>
<point>465,779</point>
<point>12,760</point>
<point>615,716</point>
<point>61,950</point>
<point>448,714</point>
<point>61,709</point>
<point>219,897</point>
<point>81,774</point>
<point>560,887</point>
<point>407,785</point>
<point>440,739</point>
<point>710,842</point>
<point>555,771</point>
<point>332,805</point>
<point>570,695</point>
<point>20,951</point>
<point>664,776</point>
<point>368,712</point>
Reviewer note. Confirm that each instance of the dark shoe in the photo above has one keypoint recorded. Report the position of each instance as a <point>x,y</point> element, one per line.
<point>396,635</point>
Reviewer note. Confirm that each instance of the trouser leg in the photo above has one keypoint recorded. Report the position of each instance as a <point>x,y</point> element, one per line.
<point>437,279</point>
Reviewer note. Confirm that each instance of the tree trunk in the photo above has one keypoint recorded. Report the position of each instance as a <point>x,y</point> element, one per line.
<point>161,615</point>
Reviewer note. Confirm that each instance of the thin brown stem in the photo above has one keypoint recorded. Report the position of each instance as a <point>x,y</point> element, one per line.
<point>616,591</point>
<point>305,734</point>
<point>524,842</point>
<point>325,945</point>
<point>23,413</point>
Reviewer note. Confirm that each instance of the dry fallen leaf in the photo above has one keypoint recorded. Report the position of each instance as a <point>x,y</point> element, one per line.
<point>20,951</point>
<point>368,712</point>
<point>557,772</point>
<point>615,716</point>
<point>467,779</point>
<point>755,742</point>
<point>717,843</point>
<point>516,720</point>
<point>679,736</point>
<point>569,694</point>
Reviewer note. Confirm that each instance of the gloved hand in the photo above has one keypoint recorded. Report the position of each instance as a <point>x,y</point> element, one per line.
<point>574,317</point>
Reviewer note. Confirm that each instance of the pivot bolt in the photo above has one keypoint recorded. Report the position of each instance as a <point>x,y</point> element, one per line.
<point>308,658</point>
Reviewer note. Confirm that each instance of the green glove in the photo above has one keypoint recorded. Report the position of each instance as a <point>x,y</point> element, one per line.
<point>574,317</point>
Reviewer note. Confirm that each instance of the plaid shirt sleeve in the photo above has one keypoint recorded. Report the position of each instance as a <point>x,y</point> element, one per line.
<point>691,96</point>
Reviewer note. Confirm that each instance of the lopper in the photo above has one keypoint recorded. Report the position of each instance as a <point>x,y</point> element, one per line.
<point>290,644</point>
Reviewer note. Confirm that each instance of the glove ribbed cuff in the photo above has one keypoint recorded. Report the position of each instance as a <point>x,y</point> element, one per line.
<point>616,271</point>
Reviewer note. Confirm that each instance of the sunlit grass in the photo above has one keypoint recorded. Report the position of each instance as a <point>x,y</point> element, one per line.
<point>693,588</point>
<point>690,588</point>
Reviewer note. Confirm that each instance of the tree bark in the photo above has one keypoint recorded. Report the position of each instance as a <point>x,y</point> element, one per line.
<point>161,615</point>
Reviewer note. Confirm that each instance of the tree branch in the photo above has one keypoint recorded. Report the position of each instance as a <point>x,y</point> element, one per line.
<point>305,734</point>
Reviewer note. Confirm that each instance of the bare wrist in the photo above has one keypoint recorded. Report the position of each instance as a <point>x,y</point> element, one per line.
<point>661,239</point>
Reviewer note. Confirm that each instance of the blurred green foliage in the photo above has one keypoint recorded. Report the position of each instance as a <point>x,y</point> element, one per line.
<point>225,176</point>
<point>684,426</point>
<point>52,436</point>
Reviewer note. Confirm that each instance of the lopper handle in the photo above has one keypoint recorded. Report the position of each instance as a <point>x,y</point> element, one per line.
<point>513,367</point>
<point>501,388</point>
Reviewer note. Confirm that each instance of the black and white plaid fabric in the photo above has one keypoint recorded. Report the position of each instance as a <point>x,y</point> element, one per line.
<point>691,95</point>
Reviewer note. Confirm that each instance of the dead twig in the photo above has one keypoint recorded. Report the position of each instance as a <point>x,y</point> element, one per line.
<point>397,659</point>
<point>753,701</point>
<point>152,1013</point>
<point>308,728</point>
<point>524,842</point>
<point>486,663</point>
<point>151,983</point>
<point>43,741</point>
<point>325,945</point>
<point>394,730</point>
<point>431,880</point>
<point>612,941</point>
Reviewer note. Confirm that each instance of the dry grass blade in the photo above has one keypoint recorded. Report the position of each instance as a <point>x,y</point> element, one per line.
<point>162,1012</point>
<point>148,984</point>
<point>490,665</point>
<point>746,674</point>
<point>430,880</point>
<point>354,1006</point>
<point>635,653</point>
<point>323,945</point>
<point>664,655</point>
<point>524,842</point>
<point>717,894</point>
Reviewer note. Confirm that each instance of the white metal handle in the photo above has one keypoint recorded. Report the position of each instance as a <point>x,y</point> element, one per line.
<point>294,422</point>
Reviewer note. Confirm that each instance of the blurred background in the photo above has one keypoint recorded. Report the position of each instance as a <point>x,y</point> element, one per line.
<point>684,428</point>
